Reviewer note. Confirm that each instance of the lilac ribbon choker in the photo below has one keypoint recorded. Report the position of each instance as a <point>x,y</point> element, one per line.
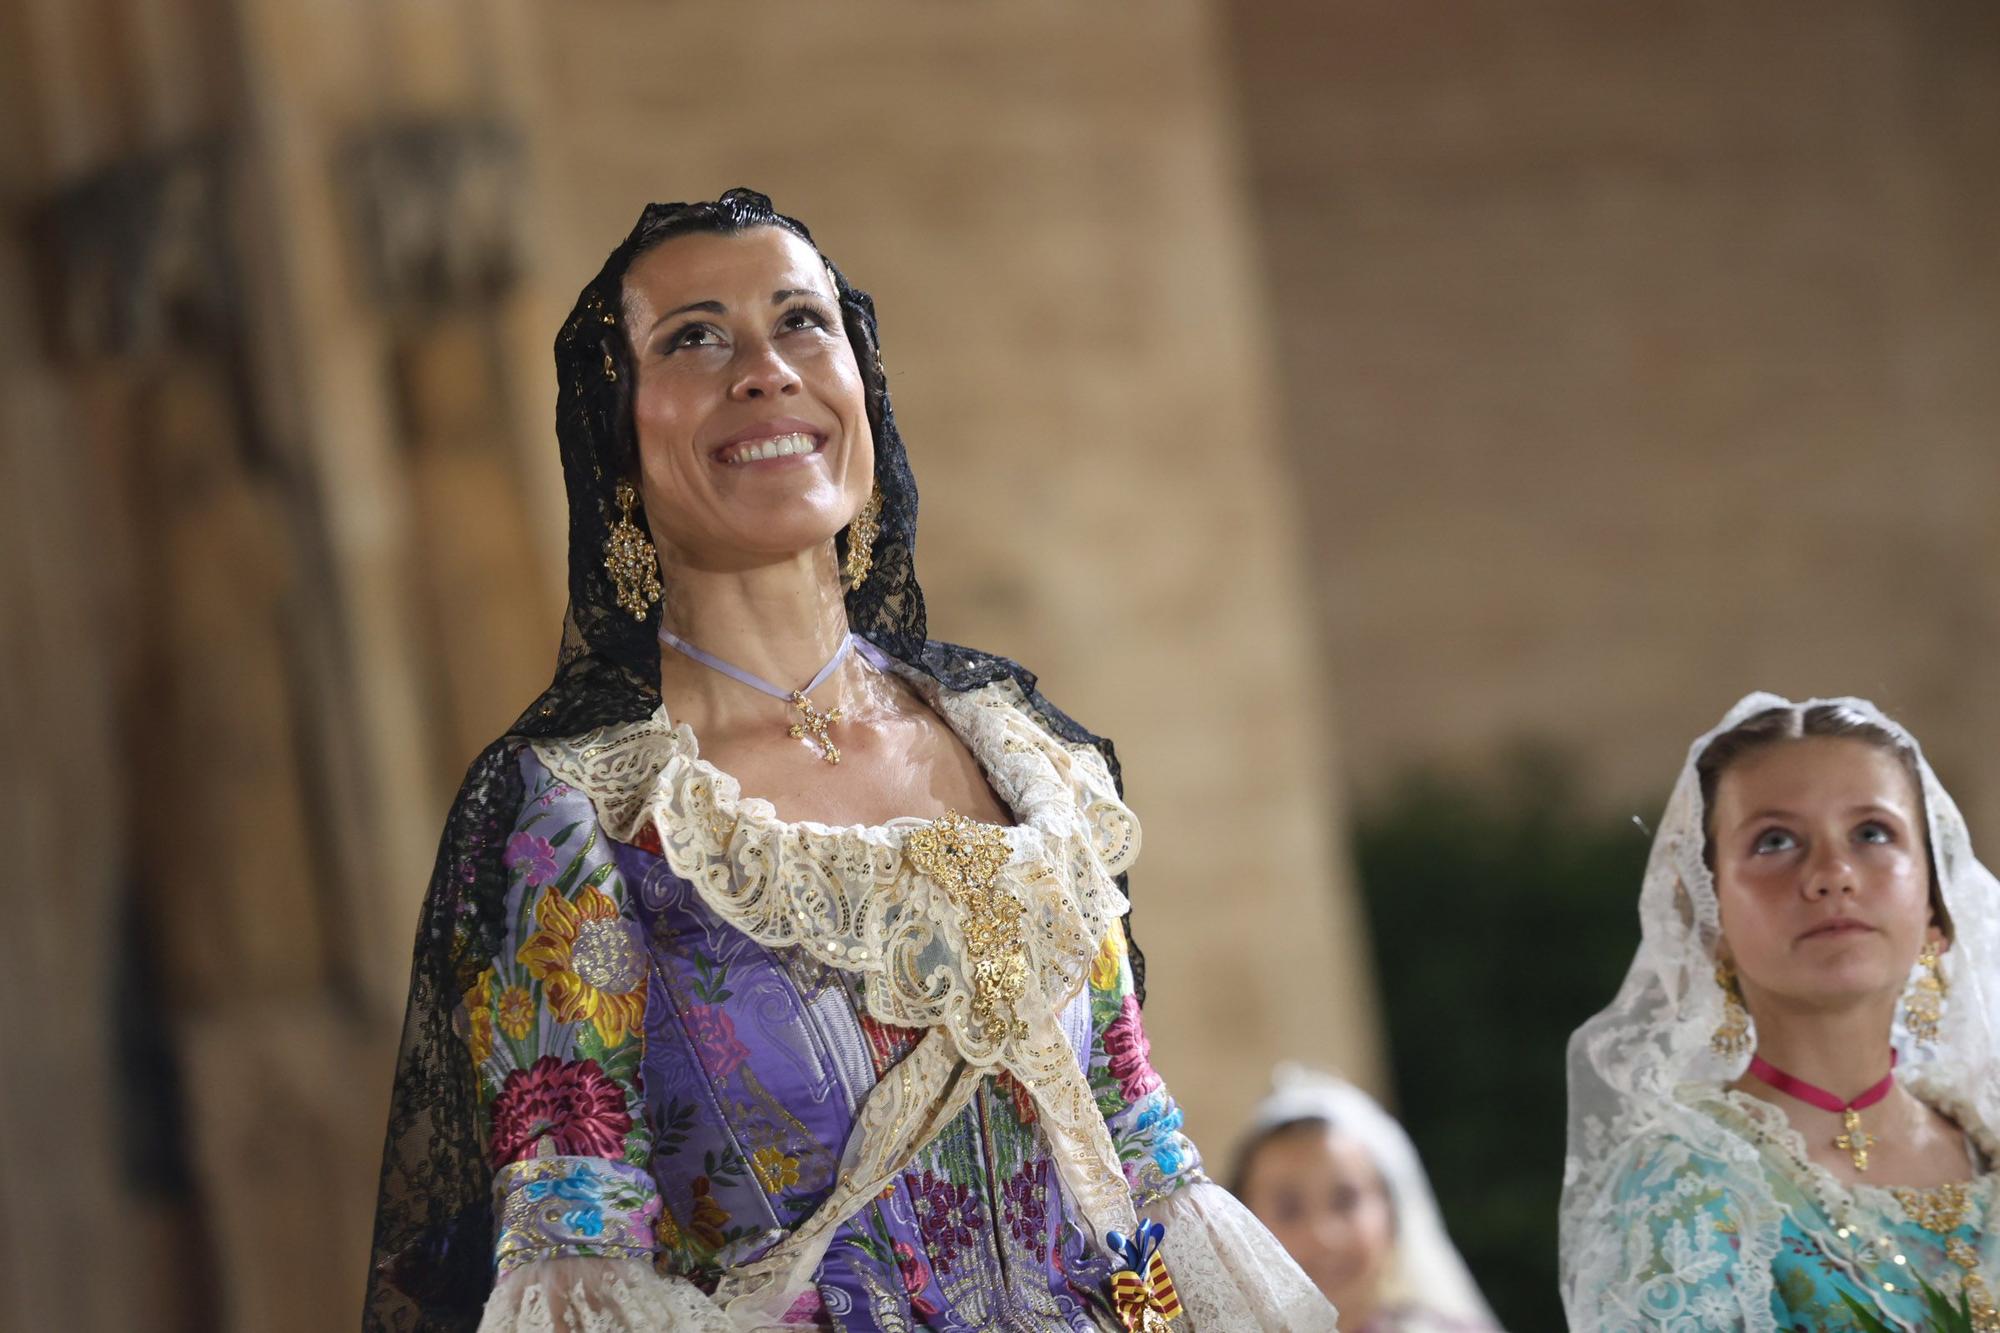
<point>813,724</point>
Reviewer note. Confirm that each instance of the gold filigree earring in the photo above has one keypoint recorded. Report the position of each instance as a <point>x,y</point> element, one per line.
<point>1923,1007</point>
<point>1732,1034</point>
<point>629,558</point>
<point>861,535</point>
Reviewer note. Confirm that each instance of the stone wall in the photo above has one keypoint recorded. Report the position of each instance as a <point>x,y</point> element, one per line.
<point>1635,358</point>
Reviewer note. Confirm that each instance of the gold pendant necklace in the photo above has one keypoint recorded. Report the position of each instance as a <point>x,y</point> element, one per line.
<point>1853,1139</point>
<point>812,730</point>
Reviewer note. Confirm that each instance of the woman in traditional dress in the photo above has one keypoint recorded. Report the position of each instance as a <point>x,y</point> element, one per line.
<point>773,971</point>
<point>1339,1184</point>
<point>1785,1120</point>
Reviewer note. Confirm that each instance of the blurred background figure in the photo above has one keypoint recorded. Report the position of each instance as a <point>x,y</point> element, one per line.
<point>1395,424</point>
<point>1339,1183</point>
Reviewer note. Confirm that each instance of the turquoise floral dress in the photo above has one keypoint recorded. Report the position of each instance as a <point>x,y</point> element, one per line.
<point>1689,1230</point>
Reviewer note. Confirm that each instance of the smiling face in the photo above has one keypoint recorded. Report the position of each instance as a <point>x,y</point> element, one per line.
<point>749,408</point>
<point>1320,1194</point>
<point>1821,873</point>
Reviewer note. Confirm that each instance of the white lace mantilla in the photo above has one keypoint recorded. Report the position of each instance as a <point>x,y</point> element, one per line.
<point>851,898</point>
<point>1636,1252</point>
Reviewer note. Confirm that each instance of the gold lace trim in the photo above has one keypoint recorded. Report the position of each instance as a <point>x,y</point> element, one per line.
<point>1941,1209</point>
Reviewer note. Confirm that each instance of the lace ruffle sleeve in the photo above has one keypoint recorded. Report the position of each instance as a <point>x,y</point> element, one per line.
<point>1677,1245</point>
<point>1229,1271</point>
<point>599,1296</point>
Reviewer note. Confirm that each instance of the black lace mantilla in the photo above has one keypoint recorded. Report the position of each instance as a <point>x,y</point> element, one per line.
<point>433,1251</point>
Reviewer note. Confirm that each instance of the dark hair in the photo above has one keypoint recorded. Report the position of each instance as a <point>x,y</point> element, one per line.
<point>1239,1170</point>
<point>1793,722</point>
<point>1246,1152</point>
<point>738,211</point>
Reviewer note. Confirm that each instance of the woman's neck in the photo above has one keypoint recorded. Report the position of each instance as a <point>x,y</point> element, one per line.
<point>1844,1051</point>
<point>780,621</point>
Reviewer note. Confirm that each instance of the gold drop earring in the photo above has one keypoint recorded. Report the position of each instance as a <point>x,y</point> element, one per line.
<point>861,535</point>
<point>1923,1007</point>
<point>629,558</point>
<point>1732,1034</point>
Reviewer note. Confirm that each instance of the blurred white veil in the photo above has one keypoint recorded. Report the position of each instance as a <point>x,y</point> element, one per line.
<point>1428,1272</point>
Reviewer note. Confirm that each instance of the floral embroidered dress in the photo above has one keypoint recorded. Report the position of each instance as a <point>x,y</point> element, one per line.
<point>1686,1219</point>
<point>860,1078</point>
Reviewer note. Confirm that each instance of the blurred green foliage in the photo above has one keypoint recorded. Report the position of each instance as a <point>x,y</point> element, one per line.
<point>1503,913</point>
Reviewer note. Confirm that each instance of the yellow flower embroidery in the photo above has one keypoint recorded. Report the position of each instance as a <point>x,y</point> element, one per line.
<point>706,1217</point>
<point>775,1171</point>
<point>666,1230</point>
<point>517,1012</point>
<point>590,964</point>
<point>479,1016</point>
<point>1105,968</point>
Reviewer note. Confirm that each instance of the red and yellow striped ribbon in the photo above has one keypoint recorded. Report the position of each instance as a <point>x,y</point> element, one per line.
<point>1145,1303</point>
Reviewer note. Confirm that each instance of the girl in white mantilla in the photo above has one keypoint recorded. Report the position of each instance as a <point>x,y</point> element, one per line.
<point>1340,1185</point>
<point>1785,1119</point>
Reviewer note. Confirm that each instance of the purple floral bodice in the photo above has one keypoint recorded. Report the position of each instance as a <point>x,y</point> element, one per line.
<point>657,1083</point>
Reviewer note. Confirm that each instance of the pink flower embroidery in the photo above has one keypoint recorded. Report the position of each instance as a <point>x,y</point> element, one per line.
<point>948,1216</point>
<point>1131,1054</point>
<point>714,1034</point>
<point>576,1106</point>
<point>809,1308</point>
<point>1024,1203</point>
<point>916,1276</point>
<point>535,853</point>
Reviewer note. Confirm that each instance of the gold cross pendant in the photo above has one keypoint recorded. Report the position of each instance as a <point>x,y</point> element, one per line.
<point>1856,1141</point>
<point>813,729</point>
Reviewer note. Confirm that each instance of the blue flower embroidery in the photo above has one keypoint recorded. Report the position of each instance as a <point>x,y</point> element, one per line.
<point>585,1221</point>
